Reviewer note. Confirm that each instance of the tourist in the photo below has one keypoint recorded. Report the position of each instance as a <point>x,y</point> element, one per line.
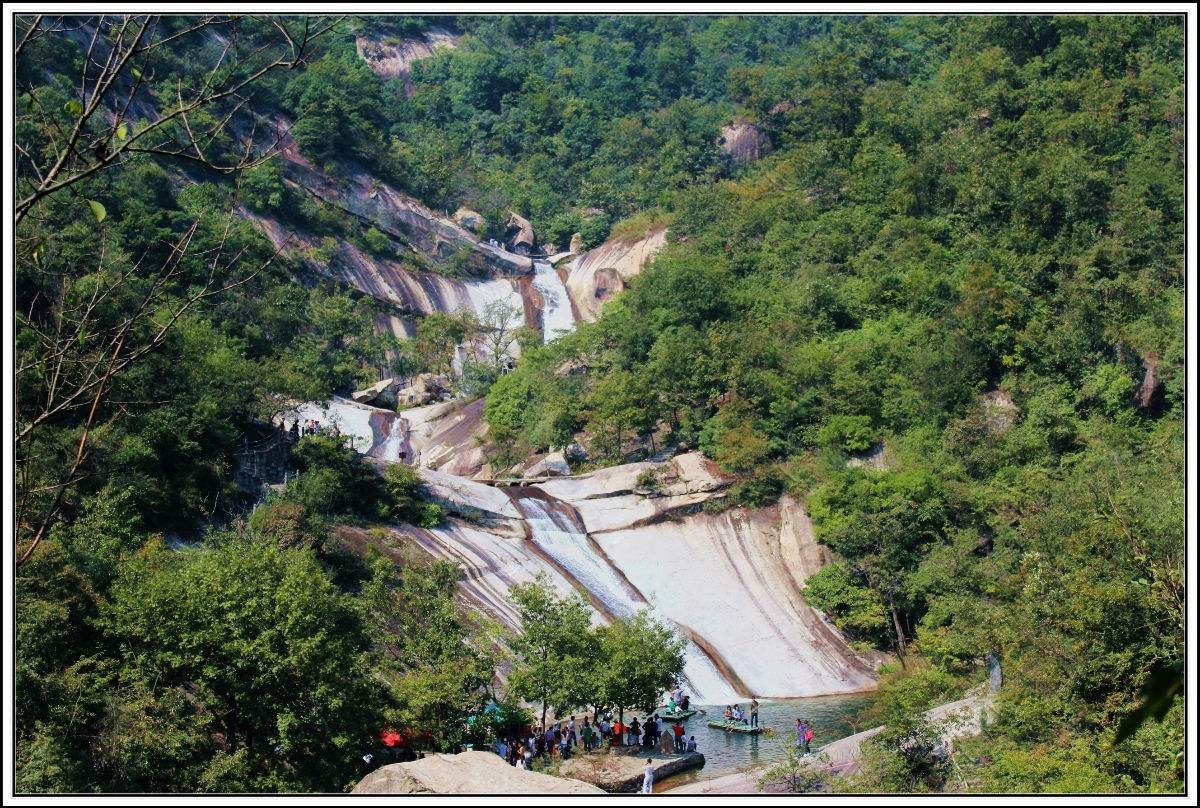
<point>527,757</point>
<point>684,702</point>
<point>548,742</point>
<point>801,730</point>
<point>635,732</point>
<point>808,735</point>
<point>618,733</point>
<point>672,706</point>
<point>738,714</point>
<point>677,730</point>
<point>729,712</point>
<point>586,733</point>
<point>648,777</point>
<point>501,748</point>
<point>754,712</point>
<point>573,730</point>
<point>691,744</point>
<point>658,725</point>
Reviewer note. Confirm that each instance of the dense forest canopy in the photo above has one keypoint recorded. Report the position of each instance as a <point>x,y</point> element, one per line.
<point>958,265</point>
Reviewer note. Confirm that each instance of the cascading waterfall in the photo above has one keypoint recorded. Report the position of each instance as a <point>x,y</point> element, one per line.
<point>557,532</point>
<point>557,317</point>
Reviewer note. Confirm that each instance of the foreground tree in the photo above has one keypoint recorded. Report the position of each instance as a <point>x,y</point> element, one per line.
<point>642,657</point>
<point>555,648</point>
<point>249,646</point>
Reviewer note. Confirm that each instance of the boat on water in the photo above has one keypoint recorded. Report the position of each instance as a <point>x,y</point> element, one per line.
<point>678,715</point>
<point>735,726</point>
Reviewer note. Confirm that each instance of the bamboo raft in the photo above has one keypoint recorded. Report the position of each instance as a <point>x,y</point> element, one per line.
<point>735,726</point>
<point>682,715</point>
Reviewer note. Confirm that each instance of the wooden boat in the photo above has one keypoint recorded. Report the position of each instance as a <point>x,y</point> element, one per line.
<point>679,715</point>
<point>735,726</point>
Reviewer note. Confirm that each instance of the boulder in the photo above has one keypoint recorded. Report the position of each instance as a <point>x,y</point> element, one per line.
<point>521,238</point>
<point>576,243</point>
<point>742,141</point>
<point>465,773</point>
<point>426,388</point>
<point>376,391</point>
<point>552,465</point>
<point>619,773</point>
<point>470,219</point>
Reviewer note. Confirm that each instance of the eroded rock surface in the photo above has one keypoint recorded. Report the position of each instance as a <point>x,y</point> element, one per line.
<point>598,274</point>
<point>466,773</point>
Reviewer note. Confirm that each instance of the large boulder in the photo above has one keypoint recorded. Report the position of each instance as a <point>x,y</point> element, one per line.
<point>742,141</point>
<point>373,393</point>
<point>596,275</point>
<point>520,234</point>
<point>466,773</point>
<point>552,465</point>
<point>619,773</point>
<point>470,219</point>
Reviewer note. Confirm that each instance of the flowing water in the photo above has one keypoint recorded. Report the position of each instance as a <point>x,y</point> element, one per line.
<point>555,529</point>
<point>832,717</point>
<point>557,317</point>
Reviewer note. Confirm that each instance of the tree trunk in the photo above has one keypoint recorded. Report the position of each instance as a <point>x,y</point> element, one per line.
<point>901,649</point>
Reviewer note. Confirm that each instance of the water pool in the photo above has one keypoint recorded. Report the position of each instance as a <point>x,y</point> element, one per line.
<point>832,717</point>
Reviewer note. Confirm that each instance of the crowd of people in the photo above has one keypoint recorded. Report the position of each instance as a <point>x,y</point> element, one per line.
<point>563,739</point>
<point>309,426</point>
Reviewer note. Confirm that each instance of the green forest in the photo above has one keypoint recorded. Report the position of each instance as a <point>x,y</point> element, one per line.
<point>958,264</point>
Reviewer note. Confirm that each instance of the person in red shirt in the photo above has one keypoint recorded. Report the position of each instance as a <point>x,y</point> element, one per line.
<point>678,730</point>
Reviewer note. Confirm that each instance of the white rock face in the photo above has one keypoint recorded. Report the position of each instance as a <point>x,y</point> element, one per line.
<point>557,533</point>
<point>460,492</point>
<point>598,274</point>
<point>727,578</point>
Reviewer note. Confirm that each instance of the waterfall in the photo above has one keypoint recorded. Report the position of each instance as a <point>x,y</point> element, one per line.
<point>556,530</point>
<point>557,318</point>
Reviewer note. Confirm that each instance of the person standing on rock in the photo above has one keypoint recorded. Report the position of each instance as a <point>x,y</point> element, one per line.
<point>678,731</point>
<point>754,712</point>
<point>648,777</point>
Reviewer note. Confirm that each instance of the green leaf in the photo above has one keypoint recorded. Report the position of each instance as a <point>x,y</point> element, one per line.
<point>74,107</point>
<point>122,131</point>
<point>97,210</point>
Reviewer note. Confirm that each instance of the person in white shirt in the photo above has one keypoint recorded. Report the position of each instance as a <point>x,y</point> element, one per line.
<point>648,778</point>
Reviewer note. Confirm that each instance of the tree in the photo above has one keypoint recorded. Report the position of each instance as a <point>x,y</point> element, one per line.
<point>438,335</point>
<point>641,658</point>
<point>117,72</point>
<point>555,647</point>
<point>498,325</point>
<point>270,655</point>
<point>437,665</point>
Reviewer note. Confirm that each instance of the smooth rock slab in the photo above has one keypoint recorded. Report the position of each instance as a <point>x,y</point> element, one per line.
<point>465,773</point>
<point>622,773</point>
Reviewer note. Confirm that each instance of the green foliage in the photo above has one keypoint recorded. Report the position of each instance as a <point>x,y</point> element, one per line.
<point>271,656</point>
<point>404,487</point>
<point>853,606</point>
<point>555,648</point>
<point>639,658</point>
